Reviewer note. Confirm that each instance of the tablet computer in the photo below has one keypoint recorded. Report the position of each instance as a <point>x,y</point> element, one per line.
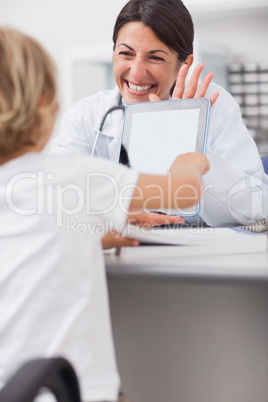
<point>155,133</point>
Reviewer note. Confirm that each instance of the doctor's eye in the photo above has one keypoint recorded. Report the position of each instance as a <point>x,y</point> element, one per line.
<point>127,54</point>
<point>156,58</point>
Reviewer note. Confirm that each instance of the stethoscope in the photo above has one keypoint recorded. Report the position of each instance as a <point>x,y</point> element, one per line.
<point>119,106</point>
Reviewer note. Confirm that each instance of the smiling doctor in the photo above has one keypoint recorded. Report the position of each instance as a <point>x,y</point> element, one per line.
<point>153,49</point>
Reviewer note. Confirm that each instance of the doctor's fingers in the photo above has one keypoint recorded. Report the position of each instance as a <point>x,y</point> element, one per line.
<point>214,97</point>
<point>163,219</point>
<point>202,90</point>
<point>191,89</point>
<point>180,83</point>
<point>192,85</point>
<point>114,239</point>
<point>147,219</point>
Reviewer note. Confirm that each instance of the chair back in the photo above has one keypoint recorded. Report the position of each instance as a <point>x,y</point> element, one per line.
<point>56,374</point>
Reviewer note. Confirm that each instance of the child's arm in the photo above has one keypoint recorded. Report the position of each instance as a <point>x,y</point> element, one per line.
<point>180,188</point>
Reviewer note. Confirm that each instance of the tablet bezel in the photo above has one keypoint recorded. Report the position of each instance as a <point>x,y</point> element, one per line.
<point>203,104</point>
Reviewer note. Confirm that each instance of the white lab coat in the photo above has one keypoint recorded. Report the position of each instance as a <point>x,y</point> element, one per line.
<point>235,188</point>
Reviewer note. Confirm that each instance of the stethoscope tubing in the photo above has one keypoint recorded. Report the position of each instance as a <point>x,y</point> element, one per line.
<point>119,106</point>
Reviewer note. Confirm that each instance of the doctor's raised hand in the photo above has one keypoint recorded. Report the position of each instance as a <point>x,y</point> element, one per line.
<point>193,89</point>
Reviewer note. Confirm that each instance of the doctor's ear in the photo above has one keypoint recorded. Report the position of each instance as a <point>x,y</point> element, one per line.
<point>189,60</point>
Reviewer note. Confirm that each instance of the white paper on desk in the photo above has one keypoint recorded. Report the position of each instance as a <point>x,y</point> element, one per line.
<point>196,240</point>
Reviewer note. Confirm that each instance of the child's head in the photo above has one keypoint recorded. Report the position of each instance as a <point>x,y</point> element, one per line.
<point>28,93</point>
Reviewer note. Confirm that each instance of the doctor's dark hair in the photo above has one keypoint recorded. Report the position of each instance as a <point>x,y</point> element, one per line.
<point>169,19</point>
<point>27,77</point>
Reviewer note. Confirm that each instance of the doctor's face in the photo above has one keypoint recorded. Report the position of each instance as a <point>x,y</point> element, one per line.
<point>143,64</point>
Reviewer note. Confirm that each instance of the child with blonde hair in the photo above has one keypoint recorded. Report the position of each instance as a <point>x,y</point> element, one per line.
<point>52,280</point>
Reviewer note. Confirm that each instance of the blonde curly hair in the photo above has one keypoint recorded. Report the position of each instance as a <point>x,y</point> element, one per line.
<point>27,75</point>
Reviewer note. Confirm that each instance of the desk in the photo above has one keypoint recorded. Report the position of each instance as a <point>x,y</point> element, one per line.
<point>191,330</point>
<point>232,267</point>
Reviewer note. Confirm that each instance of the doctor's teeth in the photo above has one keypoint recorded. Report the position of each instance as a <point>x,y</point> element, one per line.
<point>138,88</point>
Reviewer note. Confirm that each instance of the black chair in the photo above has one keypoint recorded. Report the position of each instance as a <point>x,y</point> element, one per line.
<point>55,374</point>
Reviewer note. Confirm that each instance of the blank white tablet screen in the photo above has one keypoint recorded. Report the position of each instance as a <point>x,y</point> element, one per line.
<point>157,138</point>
